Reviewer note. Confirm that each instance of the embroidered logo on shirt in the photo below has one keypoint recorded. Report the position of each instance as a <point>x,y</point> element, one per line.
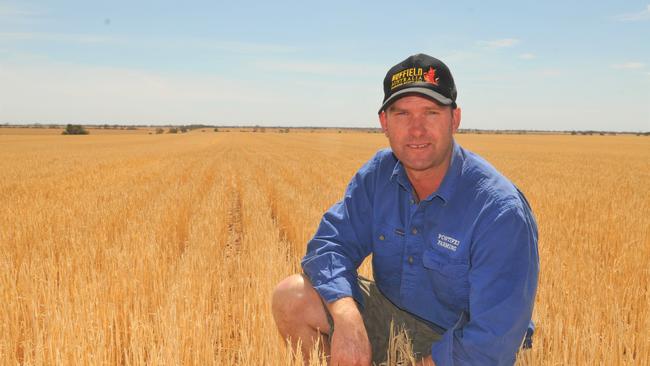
<point>448,242</point>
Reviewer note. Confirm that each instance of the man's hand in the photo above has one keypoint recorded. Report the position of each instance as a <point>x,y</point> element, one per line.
<point>349,344</point>
<point>427,361</point>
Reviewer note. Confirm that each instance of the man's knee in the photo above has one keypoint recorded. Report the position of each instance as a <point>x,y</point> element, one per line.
<point>288,295</point>
<point>293,298</point>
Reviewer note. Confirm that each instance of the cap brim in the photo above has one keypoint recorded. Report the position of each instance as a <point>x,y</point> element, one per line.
<point>417,90</point>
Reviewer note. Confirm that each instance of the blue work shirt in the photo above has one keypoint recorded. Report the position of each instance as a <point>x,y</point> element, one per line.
<point>465,258</point>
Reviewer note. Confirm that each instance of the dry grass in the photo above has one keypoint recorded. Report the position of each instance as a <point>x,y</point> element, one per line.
<point>163,249</point>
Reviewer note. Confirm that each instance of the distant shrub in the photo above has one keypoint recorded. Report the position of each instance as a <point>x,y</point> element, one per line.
<point>74,130</point>
<point>159,131</point>
<point>183,129</point>
<point>173,130</point>
<point>216,130</point>
<point>131,128</point>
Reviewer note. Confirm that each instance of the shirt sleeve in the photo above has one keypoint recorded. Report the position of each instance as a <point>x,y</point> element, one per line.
<point>342,240</point>
<point>503,282</point>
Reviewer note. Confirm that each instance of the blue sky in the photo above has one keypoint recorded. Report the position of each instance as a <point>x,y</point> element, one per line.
<point>551,65</point>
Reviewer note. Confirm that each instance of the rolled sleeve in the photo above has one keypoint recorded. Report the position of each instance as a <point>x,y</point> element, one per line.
<point>342,241</point>
<point>503,283</point>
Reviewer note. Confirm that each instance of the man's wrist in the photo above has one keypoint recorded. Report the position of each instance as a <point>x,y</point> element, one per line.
<point>343,308</point>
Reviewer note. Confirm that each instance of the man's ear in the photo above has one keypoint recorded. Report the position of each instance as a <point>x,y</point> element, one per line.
<point>382,121</point>
<point>456,114</point>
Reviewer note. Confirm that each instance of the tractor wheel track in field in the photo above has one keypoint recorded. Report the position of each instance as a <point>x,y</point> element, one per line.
<point>235,230</point>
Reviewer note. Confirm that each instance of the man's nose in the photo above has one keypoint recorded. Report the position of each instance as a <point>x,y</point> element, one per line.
<point>416,125</point>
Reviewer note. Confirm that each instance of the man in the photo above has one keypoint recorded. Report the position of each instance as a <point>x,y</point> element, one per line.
<point>454,244</point>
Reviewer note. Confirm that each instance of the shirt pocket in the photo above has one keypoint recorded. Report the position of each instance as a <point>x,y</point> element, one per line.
<point>449,280</point>
<point>388,241</point>
<point>388,246</point>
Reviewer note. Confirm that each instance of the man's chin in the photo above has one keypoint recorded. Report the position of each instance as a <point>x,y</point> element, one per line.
<point>417,166</point>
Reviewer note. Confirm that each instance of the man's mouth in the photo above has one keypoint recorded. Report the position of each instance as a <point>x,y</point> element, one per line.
<point>417,146</point>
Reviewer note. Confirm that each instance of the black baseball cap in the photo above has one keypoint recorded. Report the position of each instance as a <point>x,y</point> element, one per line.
<point>420,74</point>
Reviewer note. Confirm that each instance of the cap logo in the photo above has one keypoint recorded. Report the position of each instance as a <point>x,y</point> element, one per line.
<point>413,75</point>
<point>407,76</point>
<point>430,76</point>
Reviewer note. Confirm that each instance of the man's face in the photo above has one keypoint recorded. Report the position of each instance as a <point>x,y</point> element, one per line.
<point>420,133</point>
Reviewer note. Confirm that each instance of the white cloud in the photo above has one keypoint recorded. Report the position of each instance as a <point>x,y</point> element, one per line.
<point>322,68</point>
<point>633,17</point>
<point>18,13</point>
<point>527,56</point>
<point>242,47</point>
<point>230,46</point>
<point>10,10</point>
<point>459,56</point>
<point>550,72</point>
<point>499,43</point>
<point>632,65</point>
<point>55,37</point>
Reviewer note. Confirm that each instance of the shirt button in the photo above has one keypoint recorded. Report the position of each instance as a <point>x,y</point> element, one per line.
<point>412,201</point>
<point>382,237</point>
<point>410,259</point>
<point>414,231</point>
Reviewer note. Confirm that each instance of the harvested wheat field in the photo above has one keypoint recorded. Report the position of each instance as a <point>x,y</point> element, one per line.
<point>163,249</point>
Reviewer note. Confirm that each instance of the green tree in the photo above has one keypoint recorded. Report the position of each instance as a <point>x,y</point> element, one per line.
<point>74,130</point>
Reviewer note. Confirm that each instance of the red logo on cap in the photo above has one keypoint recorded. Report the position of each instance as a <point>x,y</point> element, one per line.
<point>430,76</point>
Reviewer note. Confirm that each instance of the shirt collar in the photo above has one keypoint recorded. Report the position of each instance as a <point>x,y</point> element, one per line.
<point>399,175</point>
<point>448,184</point>
<point>450,181</point>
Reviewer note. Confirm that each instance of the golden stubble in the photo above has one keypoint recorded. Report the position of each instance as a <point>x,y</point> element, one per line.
<point>164,249</point>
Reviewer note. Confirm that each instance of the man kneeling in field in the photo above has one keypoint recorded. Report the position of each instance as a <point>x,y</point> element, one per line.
<point>453,244</point>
